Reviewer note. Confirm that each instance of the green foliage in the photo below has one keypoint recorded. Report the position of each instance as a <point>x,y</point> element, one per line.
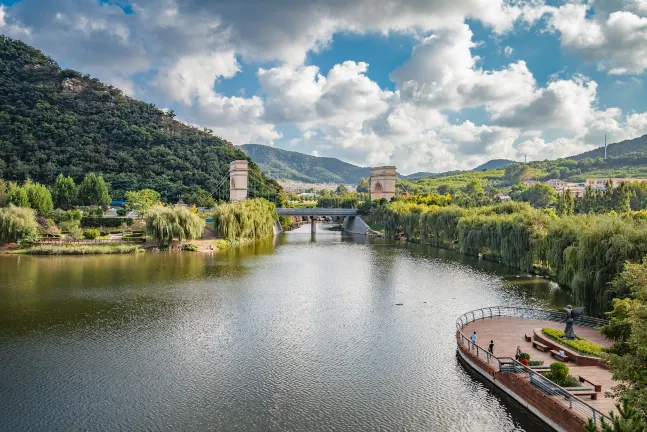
<point>3,193</point>
<point>363,185</point>
<point>338,201</point>
<point>201,198</point>
<point>142,200</point>
<point>251,218</point>
<point>629,420</point>
<point>535,362</point>
<point>285,221</point>
<point>524,356</point>
<point>91,233</point>
<point>74,231</point>
<point>64,192</point>
<point>189,247</point>
<point>99,222</point>
<point>17,195</point>
<point>628,327</point>
<point>122,212</point>
<point>540,195</point>
<point>40,199</point>
<point>17,223</point>
<point>581,345</point>
<point>559,370</point>
<point>59,121</point>
<point>93,191</point>
<point>167,223</point>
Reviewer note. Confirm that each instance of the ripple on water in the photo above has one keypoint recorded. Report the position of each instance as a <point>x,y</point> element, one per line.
<point>306,337</point>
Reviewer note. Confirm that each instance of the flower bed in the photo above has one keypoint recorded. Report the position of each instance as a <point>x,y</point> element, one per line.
<point>581,345</point>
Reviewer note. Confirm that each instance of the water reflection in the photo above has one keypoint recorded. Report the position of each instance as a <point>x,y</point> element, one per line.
<point>299,333</point>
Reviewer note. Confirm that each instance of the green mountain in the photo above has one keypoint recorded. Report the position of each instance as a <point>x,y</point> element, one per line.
<point>289,165</point>
<point>59,121</point>
<point>617,149</point>
<point>494,164</point>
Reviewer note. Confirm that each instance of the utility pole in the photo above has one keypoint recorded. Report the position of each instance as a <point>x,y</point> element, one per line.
<point>605,146</point>
<point>525,158</point>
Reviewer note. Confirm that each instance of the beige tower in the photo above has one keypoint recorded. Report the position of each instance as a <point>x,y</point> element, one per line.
<point>238,180</point>
<point>383,182</point>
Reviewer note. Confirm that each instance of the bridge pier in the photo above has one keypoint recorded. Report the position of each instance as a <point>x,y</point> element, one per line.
<point>313,225</point>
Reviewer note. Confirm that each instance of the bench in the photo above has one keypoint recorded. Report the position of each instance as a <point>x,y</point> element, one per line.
<point>579,389</point>
<point>539,346</point>
<point>558,356</point>
<point>593,394</point>
<point>528,338</point>
<point>540,368</point>
<point>596,386</point>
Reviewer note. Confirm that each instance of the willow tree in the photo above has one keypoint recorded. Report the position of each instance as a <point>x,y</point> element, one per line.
<point>165,224</point>
<point>17,223</point>
<point>250,218</point>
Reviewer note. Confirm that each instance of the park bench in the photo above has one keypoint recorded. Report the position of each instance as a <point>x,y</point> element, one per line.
<point>598,387</point>
<point>558,356</point>
<point>539,346</point>
<point>528,338</point>
<point>579,389</point>
<point>593,394</point>
<point>540,368</point>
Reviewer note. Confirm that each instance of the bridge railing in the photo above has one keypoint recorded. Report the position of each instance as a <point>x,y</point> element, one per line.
<point>521,312</point>
<point>315,211</point>
<point>510,365</point>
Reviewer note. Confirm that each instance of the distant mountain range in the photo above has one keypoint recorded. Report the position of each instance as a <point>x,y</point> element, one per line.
<point>290,165</point>
<point>282,164</point>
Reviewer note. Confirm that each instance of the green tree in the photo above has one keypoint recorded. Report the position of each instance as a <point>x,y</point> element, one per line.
<point>621,198</point>
<point>569,203</point>
<point>93,190</point>
<point>363,185</point>
<point>64,192</point>
<point>540,195</point>
<point>17,195</point>
<point>142,200</point>
<point>588,200</point>
<point>629,420</point>
<point>341,189</point>
<point>17,223</point>
<point>474,189</point>
<point>40,199</point>
<point>167,223</point>
<point>628,327</point>
<point>201,198</point>
<point>3,193</point>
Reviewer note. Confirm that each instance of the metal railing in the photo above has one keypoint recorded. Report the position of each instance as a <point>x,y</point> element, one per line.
<point>510,365</point>
<point>319,211</point>
<point>520,312</point>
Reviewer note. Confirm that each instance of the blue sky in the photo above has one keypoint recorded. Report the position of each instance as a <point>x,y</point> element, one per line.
<point>426,86</point>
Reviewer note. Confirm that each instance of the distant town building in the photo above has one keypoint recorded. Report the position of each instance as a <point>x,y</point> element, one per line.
<point>557,183</point>
<point>600,183</point>
<point>299,187</point>
<point>529,183</point>
<point>308,195</point>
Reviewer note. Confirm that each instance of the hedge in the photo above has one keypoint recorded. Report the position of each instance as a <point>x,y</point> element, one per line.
<point>581,345</point>
<point>104,222</point>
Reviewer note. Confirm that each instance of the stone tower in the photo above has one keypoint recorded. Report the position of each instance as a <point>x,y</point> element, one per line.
<point>382,182</point>
<point>238,172</point>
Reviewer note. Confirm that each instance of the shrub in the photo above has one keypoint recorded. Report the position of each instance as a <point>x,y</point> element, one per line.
<point>525,356</point>
<point>559,370</point>
<point>122,212</point>
<point>99,222</point>
<point>189,247</point>
<point>91,233</point>
<point>68,225</point>
<point>535,363</point>
<point>581,345</point>
<point>17,223</point>
<point>221,244</point>
<point>58,215</point>
<point>75,232</point>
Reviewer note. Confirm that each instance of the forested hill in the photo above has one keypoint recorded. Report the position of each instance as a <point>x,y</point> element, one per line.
<point>290,165</point>
<point>617,149</point>
<point>59,121</point>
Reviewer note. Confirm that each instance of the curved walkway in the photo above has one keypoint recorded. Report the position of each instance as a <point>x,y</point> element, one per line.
<point>508,333</point>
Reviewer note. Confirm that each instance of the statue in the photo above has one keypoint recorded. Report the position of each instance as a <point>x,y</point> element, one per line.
<point>570,315</point>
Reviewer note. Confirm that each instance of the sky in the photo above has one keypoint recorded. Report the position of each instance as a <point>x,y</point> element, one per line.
<point>426,85</point>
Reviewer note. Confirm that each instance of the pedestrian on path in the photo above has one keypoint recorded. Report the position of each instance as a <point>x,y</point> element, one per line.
<point>474,338</point>
<point>490,347</point>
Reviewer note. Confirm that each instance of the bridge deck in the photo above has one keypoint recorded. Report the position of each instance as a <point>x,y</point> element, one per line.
<point>316,212</point>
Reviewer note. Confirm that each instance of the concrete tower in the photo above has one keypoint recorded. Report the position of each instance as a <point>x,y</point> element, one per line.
<point>238,172</point>
<point>382,182</point>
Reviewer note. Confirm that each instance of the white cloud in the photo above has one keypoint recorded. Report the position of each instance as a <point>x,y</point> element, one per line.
<point>507,51</point>
<point>615,40</point>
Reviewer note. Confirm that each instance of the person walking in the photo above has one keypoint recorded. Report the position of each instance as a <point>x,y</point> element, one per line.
<point>473,339</point>
<point>490,347</point>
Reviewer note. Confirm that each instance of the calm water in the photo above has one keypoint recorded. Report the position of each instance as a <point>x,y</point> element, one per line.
<point>294,334</point>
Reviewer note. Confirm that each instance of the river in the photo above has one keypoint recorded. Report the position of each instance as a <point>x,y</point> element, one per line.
<point>298,334</point>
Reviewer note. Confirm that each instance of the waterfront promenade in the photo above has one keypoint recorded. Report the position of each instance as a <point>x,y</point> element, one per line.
<point>509,328</point>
